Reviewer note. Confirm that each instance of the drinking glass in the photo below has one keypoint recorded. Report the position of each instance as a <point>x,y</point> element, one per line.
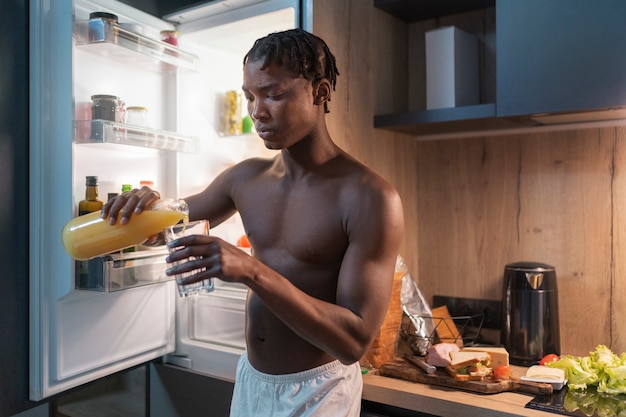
<point>198,227</point>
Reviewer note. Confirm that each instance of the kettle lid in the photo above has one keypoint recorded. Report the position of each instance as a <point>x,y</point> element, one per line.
<point>529,266</point>
<point>530,276</point>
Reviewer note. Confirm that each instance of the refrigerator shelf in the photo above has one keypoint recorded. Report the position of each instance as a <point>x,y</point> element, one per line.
<point>105,131</point>
<point>122,270</point>
<point>110,39</point>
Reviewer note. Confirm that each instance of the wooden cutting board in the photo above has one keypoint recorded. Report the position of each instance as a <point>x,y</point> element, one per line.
<point>403,370</point>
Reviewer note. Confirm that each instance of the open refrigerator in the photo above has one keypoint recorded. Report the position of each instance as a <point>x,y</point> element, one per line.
<point>78,335</point>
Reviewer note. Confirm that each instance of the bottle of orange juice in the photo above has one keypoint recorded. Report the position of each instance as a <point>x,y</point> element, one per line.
<point>89,236</point>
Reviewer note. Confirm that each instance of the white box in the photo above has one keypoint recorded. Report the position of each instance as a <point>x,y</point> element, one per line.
<point>451,68</point>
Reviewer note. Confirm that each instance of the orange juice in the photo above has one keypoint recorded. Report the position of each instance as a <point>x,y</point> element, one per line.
<point>89,236</point>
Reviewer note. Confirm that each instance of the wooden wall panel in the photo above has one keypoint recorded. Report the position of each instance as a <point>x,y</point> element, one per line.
<point>617,285</point>
<point>545,197</point>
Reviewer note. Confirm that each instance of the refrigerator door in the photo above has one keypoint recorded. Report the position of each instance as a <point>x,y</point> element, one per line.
<point>76,336</point>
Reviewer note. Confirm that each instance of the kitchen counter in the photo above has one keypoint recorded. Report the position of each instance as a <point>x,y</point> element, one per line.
<point>445,402</point>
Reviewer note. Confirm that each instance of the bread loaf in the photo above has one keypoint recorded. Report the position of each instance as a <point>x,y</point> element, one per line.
<point>383,349</point>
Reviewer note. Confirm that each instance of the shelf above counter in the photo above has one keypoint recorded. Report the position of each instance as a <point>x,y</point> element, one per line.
<point>448,121</point>
<point>105,131</point>
<point>558,92</point>
<point>474,16</point>
<point>115,41</point>
<point>413,11</point>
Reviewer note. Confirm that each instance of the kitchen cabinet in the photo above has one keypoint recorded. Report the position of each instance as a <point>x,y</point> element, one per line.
<point>475,17</point>
<point>559,57</point>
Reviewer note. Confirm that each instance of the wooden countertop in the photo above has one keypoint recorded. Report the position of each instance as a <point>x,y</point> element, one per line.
<point>445,402</point>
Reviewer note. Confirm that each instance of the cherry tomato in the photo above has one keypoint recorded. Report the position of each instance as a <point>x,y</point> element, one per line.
<point>502,372</point>
<point>550,357</point>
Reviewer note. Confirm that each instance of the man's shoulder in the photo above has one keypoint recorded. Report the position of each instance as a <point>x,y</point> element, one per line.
<point>365,185</point>
<point>251,166</point>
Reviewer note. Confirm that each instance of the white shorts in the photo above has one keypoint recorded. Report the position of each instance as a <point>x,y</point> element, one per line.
<point>329,390</point>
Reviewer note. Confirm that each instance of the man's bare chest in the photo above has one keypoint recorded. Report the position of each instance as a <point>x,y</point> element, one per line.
<point>302,224</point>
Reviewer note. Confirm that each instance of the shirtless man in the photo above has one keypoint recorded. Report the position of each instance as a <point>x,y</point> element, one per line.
<point>325,232</point>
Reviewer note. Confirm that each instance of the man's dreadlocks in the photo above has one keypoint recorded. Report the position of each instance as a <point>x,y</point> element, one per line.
<point>299,51</point>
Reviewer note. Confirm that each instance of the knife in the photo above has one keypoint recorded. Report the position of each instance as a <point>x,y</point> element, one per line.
<point>429,369</point>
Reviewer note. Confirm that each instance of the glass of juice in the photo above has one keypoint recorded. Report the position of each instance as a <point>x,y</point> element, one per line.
<point>198,227</point>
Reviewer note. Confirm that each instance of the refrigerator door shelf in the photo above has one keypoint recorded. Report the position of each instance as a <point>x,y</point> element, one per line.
<point>211,331</point>
<point>122,44</point>
<point>105,131</point>
<point>122,270</point>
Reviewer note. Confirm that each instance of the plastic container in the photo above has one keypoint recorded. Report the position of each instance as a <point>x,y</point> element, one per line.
<point>89,236</point>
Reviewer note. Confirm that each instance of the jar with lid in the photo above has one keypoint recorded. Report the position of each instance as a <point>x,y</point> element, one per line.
<point>231,114</point>
<point>107,107</point>
<point>102,27</point>
<point>90,236</point>
<point>137,115</point>
<point>170,36</point>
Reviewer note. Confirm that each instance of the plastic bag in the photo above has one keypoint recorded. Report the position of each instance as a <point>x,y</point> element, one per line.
<point>416,308</point>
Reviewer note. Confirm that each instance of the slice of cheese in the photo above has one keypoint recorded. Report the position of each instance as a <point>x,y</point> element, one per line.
<point>545,372</point>
<point>462,358</point>
<point>499,355</point>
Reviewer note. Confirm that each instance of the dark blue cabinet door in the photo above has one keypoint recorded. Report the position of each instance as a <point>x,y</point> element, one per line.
<point>560,55</point>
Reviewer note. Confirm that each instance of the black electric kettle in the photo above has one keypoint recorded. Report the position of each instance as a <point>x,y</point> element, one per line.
<point>530,312</point>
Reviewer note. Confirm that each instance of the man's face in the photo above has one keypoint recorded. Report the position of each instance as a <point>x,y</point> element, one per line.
<point>281,104</point>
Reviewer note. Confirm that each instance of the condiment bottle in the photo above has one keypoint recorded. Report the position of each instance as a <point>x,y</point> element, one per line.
<point>89,236</point>
<point>89,273</point>
<point>91,202</point>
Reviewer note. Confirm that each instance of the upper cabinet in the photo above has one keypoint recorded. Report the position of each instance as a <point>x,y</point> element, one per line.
<point>560,56</point>
<point>541,62</point>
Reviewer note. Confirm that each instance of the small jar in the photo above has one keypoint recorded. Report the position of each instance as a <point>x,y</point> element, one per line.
<point>106,107</point>
<point>137,115</point>
<point>170,36</point>
<point>231,114</point>
<point>101,26</point>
